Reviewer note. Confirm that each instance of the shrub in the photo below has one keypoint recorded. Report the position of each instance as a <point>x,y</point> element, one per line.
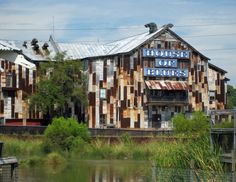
<point>225,124</point>
<point>54,159</point>
<point>181,123</point>
<point>64,134</point>
<point>199,123</point>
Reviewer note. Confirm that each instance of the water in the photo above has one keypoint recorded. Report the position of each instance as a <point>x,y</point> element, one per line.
<point>115,171</point>
<point>89,171</point>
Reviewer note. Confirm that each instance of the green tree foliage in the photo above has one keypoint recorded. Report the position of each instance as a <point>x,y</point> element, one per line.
<point>231,99</point>
<point>65,134</point>
<point>60,81</point>
<point>199,123</point>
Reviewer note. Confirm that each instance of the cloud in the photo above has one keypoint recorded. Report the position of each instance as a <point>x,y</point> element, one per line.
<point>97,15</point>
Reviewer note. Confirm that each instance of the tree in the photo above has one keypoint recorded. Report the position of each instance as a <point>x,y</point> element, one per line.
<point>60,82</point>
<point>231,97</point>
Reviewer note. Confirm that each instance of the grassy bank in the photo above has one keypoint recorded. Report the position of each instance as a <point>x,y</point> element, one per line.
<point>170,154</point>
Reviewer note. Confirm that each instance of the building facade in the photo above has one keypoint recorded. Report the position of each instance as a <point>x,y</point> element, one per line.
<point>138,82</point>
<point>144,80</point>
<point>17,82</point>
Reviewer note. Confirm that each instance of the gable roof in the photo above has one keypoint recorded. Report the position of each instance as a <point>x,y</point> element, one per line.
<point>123,46</point>
<point>182,40</point>
<point>81,51</point>
<point>5,46</point>
<point>126,45</point>
<point>27,50</point>
<point>216,68</point>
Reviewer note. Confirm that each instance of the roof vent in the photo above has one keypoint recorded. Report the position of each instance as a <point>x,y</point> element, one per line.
<point>34,41</point>
<point>45,46</point>
<point>169,25</point>
<point>34,44</point>
<point>152,27</point>
<point>36,47</point>
<point>24,44</point>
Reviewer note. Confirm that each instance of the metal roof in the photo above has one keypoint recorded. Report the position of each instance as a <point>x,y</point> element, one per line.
<point>128,44</point>
<point>81,51</point>
<point>28,50</point>
<point>5,46</point>
<point>166,85</point>
<point>214,67</point>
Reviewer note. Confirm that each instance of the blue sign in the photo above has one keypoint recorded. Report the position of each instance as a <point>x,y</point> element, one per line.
<point>165,53</point>
<point>166,63</point>
<point>166,72</point>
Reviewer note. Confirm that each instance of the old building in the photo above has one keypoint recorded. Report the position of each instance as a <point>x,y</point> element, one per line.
<point>137,82</point>
<point>17,81</point>
<point>217,84</point>
<point>144,80</point>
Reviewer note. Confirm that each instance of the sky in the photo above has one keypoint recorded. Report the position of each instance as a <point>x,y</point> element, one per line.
<point>208,25</point>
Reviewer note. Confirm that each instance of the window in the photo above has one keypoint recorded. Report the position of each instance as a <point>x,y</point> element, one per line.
<point>212,95</point>
<point>9,80</point>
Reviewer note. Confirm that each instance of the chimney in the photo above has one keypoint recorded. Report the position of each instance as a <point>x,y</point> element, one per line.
<point>24,44</point>
<point>169,25</point>
<point>34,41</point>
<point>152,27</point>
<point>45,46</point>
<point>34,44</point>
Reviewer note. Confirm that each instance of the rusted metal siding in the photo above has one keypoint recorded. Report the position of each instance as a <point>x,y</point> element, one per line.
<point>167,85</point>
<point>126,103</point>
<point>198,81</point>
<point>16,83</point>
<point>217,85</point>
<point>124,91</point>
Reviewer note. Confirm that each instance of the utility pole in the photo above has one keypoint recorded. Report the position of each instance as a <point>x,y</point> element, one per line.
<point>53,27</point>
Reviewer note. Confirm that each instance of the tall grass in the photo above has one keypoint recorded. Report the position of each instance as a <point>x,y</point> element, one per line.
<point>167,154</point>
<point>15,146</point>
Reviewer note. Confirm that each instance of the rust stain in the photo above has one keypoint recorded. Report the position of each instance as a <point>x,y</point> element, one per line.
<point>167,85</point>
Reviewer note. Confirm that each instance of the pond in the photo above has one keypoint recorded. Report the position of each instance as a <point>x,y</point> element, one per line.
<point>89,170</point>
<point>113,171</point>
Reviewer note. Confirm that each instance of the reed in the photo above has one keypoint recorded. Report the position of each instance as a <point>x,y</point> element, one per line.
<point>167,154</point>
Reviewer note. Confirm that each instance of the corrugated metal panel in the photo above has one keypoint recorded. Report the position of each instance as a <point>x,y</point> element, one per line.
<point>166,85</point>
<point>28,50</point>
<point>128,44</point>
<point>5,46</point>
<point>80,51</point>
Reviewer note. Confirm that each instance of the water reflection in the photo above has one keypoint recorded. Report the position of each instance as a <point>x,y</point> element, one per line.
<point>119,171</point>
<point>89,171</point>
<point>115,171</point>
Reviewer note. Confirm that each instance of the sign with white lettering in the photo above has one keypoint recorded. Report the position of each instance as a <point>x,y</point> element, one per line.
<point>166,72</point>
<point>165,53</point>
<point>166,63</point>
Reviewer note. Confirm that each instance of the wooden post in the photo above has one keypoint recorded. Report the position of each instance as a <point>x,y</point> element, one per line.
<point>233,160</point>
<point>234,147</point>
<point>24,114</point>
<point>191,176</point>
<point>234,112</point>
<point>212,122</point>
<point>154,170</point>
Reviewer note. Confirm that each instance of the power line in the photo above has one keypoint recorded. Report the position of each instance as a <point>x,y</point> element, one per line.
<point>209,35</point>
<point>107,28</point>
<point>222,49</point>
<point>205,25</point>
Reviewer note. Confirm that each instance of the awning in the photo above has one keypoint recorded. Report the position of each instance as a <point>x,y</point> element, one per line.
<point>166,85</point>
